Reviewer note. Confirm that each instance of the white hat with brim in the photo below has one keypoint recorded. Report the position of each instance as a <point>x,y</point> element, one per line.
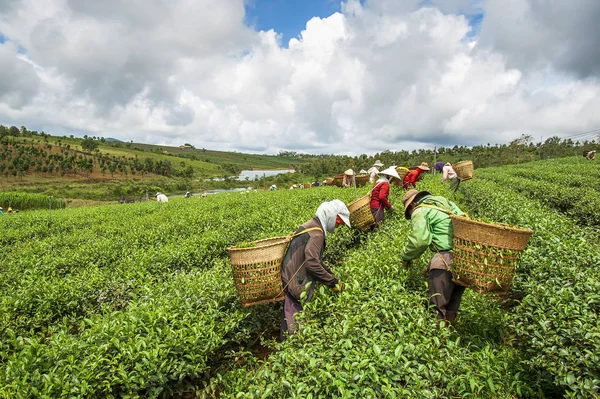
<point>423,166</point>
<point>378,163</point>
<point>391,171</point>
<point>343,212</point>
<point>345,218</point>
<point>349,172</point>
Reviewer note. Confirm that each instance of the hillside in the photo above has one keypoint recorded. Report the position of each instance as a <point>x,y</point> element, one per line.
<point>95,168</point>
<point>225,159</point>
<point>100,169</point>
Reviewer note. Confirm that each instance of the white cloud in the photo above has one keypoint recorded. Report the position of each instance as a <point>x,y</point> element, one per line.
<point>383,75</point>
<point>19,82</point>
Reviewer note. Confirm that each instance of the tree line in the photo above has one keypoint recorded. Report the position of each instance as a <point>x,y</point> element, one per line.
<point>18,158</point>
<point>519,150</point>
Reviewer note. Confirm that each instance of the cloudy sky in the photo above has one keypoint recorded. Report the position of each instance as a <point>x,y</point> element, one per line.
<point>316,76</point>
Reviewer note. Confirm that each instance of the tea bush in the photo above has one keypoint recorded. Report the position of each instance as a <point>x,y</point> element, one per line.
<point>138,301</point>
<point>571,188</point>
<point>556,323</point>
<point>22,201</point>
<point>134,299</point>
<point>378,338</point>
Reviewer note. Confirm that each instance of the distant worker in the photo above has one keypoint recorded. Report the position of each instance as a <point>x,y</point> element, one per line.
<point>303,263</point>
<point>439,166</point>
<point>432,227</point>
<point>380,194</point>
<point>411,178</point>
<point>161,197</point>
<point>316,183</point>
<point>203,195</point>
<point>9,210</point>
<point>188,195</point>
<point>591,155</point>
<point>1,210</point>
<point>374,171</point>
<point>348,178</point>
<point>273,187</point>
<point>450,175</point>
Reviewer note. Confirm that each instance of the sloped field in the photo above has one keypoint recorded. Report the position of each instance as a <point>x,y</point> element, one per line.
<point>138,301</point>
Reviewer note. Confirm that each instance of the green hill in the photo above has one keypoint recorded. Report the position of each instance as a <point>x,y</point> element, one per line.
<point>94,168</point>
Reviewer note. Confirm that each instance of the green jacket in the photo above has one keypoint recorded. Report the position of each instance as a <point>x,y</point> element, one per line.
<point>430,226</point>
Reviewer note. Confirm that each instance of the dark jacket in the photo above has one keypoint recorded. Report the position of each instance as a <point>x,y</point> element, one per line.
<point>305,253</point>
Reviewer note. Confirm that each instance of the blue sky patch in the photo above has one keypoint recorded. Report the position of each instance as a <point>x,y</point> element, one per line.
<point>287,17</point>
<point>475,21</point>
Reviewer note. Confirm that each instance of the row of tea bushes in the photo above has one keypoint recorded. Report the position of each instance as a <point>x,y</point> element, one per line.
<point>378,339</point>
<point>23,201</point>
<point>556,324</point>
<point>581,203</point>
<point>135,300</point>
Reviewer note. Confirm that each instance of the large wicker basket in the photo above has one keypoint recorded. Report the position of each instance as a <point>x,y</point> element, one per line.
<point>361,180</point>
<point>402,172</point>
<point>485,255</point>
<point>257,270</point>
<point>338,180</point>
<point>329,181</point>
<point>464,170</point>
<point>360,212</point>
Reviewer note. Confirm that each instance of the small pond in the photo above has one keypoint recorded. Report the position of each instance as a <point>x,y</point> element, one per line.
<point>257,174</point>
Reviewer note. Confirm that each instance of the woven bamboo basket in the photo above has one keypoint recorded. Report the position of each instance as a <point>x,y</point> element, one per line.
<point>257,270</point>
<point>485,255</point>
<point>307,185</point>
<point>361,180</point>
<point>329,181</point>
<point>338,180</point>
<point>360,212</point>
<point>402,172</point>
<point>464,170</point>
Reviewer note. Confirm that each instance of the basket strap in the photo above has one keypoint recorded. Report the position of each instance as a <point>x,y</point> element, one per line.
<point>305,231</point>
<point>443,260</point>
<point>290,280</point>
<point>465,214</point>
<point>294,275</point>
<point>436,208</point>
<point>432,243</point>
<point>370,193</point>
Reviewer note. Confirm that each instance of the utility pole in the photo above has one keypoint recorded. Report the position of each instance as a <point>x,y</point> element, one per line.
<point>434,158</point>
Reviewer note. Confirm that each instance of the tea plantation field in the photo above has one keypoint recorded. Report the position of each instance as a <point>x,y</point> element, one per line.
<point>137,300</point>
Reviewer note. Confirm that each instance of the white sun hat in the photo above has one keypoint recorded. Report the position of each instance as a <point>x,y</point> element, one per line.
<point>391,171</point>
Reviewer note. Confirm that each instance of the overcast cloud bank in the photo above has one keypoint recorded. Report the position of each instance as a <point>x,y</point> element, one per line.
<point>380,75</point>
